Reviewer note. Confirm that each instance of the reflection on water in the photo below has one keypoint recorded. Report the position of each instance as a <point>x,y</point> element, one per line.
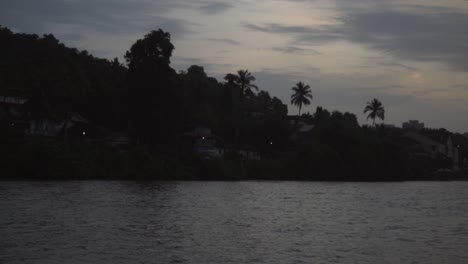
<point>233,222</point>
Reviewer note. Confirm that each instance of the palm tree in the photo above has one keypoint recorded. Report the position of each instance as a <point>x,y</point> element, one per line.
<point>375,109</point>
<point>301,95</point>
<point>244,79</point>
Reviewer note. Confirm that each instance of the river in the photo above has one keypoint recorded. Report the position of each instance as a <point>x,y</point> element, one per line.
<point>233,222</point>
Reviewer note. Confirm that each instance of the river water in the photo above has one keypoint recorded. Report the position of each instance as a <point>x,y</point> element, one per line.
<point>233,222</point>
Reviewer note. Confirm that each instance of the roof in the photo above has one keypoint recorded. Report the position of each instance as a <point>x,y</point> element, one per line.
<point>12,100</point>
<point>422,139</point>
<point>77,118</point>
<point>306,128</point>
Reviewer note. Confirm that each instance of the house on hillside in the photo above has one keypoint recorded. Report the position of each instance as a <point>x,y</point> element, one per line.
<point>413,125</point>
<point>10,106</point>
<point>302,125</point>
<point>11,114</point>
<point>201,142</point>
<point>435,149</point>
<point>74,124</point>
<point>15,115</point>
<point>116,139</point>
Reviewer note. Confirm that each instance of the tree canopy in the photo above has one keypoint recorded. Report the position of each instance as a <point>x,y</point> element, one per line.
<point>302,95</point>
<point>375,109</point>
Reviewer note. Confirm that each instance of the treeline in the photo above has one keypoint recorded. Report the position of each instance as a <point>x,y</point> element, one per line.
<point>154,105</point>
<point>57,80</point>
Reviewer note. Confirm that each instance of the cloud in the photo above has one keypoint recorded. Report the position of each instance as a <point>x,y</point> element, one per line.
<point>420,34</point>
<point>212,68</point>
<point>215,7</point>
<point>295,50</point>
<point>225,41</point>
<point>278,28</point>
<point>106,28</point>
<point>106,16</point>
<point>398,65</point>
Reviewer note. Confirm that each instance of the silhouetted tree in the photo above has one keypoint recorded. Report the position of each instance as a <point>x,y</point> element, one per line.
<point>244,79</point>
<point>375,109</point>
<point>301,96</point>
<point>153,103</point>
<point>230,78</point>
<point>278,107</point>
<point>155,49</point>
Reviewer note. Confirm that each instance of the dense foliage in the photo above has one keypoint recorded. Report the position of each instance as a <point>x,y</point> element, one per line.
<point>57,79</point>
<point>155,106</point>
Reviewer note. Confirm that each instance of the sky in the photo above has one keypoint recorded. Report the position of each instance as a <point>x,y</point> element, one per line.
<point>412,55</point>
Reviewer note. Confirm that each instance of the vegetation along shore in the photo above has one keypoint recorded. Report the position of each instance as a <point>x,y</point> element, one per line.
<point>66,115</point>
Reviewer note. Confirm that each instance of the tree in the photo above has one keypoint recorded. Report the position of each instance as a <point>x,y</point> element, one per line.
<point>153,101</point>
<point>155,49</point>
<point>230,78</point>
<point>244,80</point>
<point>375,109</point>
<point>301,95</point>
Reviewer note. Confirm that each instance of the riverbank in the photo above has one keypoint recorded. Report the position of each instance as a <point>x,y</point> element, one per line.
<point>49,159</point>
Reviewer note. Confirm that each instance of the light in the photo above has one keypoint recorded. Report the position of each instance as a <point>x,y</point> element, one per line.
<point>203,138</point>
<point>271,142</point>
<point>84,133</point>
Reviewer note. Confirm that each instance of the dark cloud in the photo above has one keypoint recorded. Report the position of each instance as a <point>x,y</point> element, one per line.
<point>422,34</point>
<point>215,7</point>
<point>225,41</point>
<point>398,65</point>
<point>303,34</point>
<point>296,50</point>
<point>427,92</point>
<point>278,28</point>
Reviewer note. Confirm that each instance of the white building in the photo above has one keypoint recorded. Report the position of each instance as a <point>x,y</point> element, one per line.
<point>413,124</point>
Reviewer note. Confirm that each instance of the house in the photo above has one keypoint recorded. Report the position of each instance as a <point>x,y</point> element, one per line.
<point>248,153</point>
<point>413,125</point>
<point>14,114</point>
<point>436,149</point>
<point>117,140</point>
<point>50,127</point>
<point>10,106</point>
<point>389,125</point>
<point>201,142</point>
<point>301,129</point>
<point>11,114</point>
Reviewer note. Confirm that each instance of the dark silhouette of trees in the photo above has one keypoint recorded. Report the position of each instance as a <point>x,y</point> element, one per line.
<point>244,80</point>
<point>375,109</point>
<point>230,79</point>
<point>301,96</point>
<point>57,80</point>
<point>153,104</point>
<point>151,53</point>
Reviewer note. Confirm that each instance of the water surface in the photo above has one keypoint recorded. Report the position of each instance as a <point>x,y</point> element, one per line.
<point>233,222</point>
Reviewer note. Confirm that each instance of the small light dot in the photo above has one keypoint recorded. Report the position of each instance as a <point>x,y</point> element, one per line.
<point>203,138</point>
<point>84,133</point>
